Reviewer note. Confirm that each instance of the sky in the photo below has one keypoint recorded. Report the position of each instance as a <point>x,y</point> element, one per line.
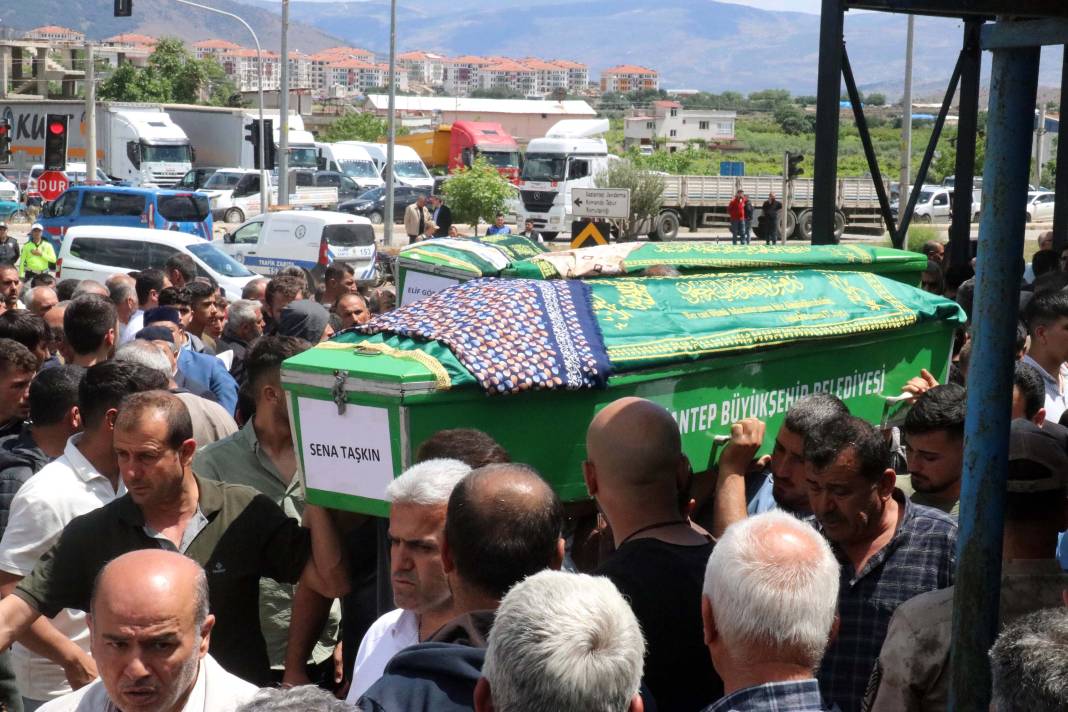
<point>811,6</point>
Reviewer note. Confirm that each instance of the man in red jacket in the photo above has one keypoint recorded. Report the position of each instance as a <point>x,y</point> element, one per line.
<point>736,210</point>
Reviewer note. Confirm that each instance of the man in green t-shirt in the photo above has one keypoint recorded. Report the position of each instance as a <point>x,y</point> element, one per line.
<point>934,446</point>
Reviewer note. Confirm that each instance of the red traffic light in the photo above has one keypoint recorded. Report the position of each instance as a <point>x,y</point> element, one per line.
<point>3,129</point>
<point>57,128</point>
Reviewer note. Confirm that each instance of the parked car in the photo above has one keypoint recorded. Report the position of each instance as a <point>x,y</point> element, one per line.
<point>181,211</point>
<point>194,179</point>
<point>372,204</point>
<point>10,205</point>
<point>308,239</point>
<point>75,173</point>
<point>98,251</point>
<point>1040,206</point>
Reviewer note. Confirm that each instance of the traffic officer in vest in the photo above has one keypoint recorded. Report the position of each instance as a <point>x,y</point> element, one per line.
<point>37,257</point>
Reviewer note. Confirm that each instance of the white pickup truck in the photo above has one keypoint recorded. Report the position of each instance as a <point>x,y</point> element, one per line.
<point>235,194</point>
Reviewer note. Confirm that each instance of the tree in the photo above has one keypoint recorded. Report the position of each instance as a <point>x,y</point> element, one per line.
<point>354,126</point>
<point>476,193</point>
<point>646,195</point>
<point>790,119</point>
<point>876,99</point>
<point>171,75</point>
<point>769,99</point>
<point>497,93</point>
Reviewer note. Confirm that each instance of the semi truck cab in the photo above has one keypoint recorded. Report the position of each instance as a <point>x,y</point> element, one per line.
<point>147,147</point>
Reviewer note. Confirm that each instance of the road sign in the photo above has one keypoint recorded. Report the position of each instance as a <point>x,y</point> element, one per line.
<point>51,184</point>
<point>600,203</point>
<point>587,234</point>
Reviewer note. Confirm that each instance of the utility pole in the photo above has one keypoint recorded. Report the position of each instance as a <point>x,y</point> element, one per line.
<point>90,114</point>
<point>387,222</point>
<point>283,114</point>
<point>906,123</point>
<point>1040,157</point>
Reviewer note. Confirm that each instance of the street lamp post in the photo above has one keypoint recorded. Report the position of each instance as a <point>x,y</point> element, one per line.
<point>387,223</point>
<point>259,86</point>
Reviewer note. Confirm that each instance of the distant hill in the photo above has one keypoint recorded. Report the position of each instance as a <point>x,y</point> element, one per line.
<point>166,17</point>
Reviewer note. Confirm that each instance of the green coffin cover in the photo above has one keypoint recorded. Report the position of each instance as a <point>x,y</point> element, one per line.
<point>465,254</point>
<point>653,321</point>
<point>693,257</point>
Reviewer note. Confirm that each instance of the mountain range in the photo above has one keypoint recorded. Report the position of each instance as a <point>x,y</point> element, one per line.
<point>694,44</point>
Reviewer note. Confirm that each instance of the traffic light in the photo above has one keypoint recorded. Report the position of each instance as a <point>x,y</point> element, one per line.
<point>55,158</point>
<point>793,161</point>
<point>5,140</point>
<point>253,137</point>
<point>123,8</point>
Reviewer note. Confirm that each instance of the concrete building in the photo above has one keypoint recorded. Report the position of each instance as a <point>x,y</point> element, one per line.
<point>508,74</point>
<point>422,67</point>
<point>672,127</point>
<point>628,77</point>
<point>461,75</point>
<point>578,75</point>
<point>54,33</point>
<point>548,76</point>
<point>300,76</point>
<point>522,118</point>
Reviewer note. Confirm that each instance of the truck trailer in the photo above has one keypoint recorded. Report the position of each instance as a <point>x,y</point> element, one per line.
<point>220,136</point>
<point>137,143</point>
<point>451,147</point>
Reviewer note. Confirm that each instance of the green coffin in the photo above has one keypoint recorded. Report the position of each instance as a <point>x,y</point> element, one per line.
<point>706,257</point>
<point>710,349</point>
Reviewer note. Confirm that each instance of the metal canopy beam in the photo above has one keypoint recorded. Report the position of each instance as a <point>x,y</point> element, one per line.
<point>1060,209</point>
<point>960,231</point>
<point>828,96</point>
<point>965,8</point>
<point>1029,33</point>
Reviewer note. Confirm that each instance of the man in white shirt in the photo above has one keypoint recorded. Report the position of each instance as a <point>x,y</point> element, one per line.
<point>83,478</point>
<point>123,294</point>
<point>150,630</point>
<point>1047,324</point>
<point>419,499</point>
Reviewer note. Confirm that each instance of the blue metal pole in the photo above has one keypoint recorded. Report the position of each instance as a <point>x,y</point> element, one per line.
<point>1013,88</point>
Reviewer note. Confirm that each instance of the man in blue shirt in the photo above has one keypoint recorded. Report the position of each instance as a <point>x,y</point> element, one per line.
<point>498,227</point>
<point>203,368</point>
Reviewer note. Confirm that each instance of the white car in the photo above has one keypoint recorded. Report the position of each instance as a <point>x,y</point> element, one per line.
<point>1040,206</point>
<point>98,251</point>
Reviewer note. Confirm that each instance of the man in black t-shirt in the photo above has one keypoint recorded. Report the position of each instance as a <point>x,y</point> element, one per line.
<point>636,471</point>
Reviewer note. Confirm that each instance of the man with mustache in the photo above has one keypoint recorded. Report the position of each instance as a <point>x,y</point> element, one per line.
<point>890,549</point>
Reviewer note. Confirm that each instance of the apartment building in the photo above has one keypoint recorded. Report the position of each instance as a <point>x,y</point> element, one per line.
<point>54,33</point>
<point>629,77</point>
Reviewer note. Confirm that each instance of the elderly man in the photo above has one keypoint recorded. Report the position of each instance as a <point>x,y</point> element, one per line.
<point>562,642</point>
<point>122,291</point>
<point>150,632</point>
<point>502,524</point>
<point>890,549</point>
<point>639,476</point>
<point>241,537</point>
<point>244,325</point>
<point>255,289</point>
<point>198,366</point>
<point>770,594</point>
<point>84,478</point>
<point>41,299</point>
<point>913,670</point>
<point>416,216</point>
<point>418,501</point>
<point>1029,663</point>
<point>440,215</point>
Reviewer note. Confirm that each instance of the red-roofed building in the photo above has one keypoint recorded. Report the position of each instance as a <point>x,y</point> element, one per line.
<point>628,77</point>
<point>461,74</point>
<point>423,67</point>
<point>54,33</point>
<point>130,40</point>
<point>508,74</point>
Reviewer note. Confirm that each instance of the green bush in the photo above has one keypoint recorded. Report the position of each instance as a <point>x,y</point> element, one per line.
<point>918,235</point>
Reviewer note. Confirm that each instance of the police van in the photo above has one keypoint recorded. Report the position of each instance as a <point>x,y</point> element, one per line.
<point>308,239</point>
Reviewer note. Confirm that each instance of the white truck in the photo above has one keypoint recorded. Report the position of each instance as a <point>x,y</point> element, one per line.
<point>137,143</point>
<point>570,155</point>
<point>410,169</point>
<point>235,194</point>
<point>220,136</point>
<point>353,161</point>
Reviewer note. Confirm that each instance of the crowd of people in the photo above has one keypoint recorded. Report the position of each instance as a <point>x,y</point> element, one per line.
<point>157,553</point>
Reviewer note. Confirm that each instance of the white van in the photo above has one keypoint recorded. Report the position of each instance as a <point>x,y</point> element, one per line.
<point>308,239</point>
<point>353,161</point>
<point>410,169</point>
<point>99,251</point>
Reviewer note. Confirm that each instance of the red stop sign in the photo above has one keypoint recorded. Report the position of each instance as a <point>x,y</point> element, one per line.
<point>51,184</point>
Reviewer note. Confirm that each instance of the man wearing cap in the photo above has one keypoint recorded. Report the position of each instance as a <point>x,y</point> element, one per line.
<point>199,367</point>
<point>37,254</point>
<point>9,246</point>
<point>912,672</point>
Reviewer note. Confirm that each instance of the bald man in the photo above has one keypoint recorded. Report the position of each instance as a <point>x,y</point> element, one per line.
<point>150,628</point>
<point>637,472</point>
<point>41,299</point>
